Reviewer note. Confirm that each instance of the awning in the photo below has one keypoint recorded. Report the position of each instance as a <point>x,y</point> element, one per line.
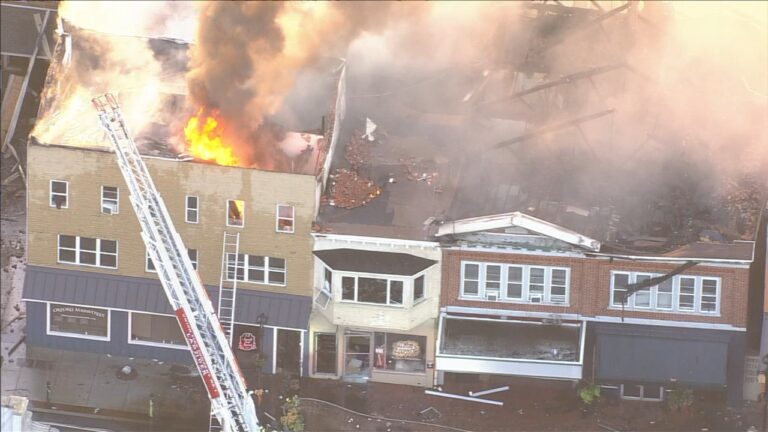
<point>682,356</point>
<point>147,295</point>
<point>363,261</point>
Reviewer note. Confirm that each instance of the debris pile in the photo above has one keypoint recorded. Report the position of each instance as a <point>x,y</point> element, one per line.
<point>348,190</point>
<point>743,202</point>
<point>417,171</point>
<point>358,152</point>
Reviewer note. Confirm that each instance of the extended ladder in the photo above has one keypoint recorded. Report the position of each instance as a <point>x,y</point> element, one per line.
<point>230,401</point>
<point>231,263</point>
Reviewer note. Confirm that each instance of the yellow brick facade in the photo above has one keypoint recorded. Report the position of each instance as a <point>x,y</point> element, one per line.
<point>87,170</point>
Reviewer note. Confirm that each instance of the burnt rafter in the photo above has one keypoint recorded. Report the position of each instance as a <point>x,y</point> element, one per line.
<point>567,79</point>
<point>635,287</point>
<point>554,127</point>
<point>583,26</point>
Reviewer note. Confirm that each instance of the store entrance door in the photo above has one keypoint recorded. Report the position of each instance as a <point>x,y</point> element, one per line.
<point>357,357</point>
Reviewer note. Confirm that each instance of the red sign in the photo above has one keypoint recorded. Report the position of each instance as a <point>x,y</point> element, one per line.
<point>194,346</point>
<point>247,342</point>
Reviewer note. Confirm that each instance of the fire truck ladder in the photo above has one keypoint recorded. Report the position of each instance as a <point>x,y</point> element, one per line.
<point>230,401</point>
<point>231,264</point>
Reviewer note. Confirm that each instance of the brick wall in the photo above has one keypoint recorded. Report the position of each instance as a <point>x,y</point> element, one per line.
<point>590,286</point>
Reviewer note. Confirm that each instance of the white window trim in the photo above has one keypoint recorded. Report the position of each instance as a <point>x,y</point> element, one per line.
<point>98,253</point>
<point>246,264</point>
<point>196,209</point>
<point>642,392</point>
<point>327,289</point>
<point>226,213</point>
<point>51,193</point>
<point>413,289</point>
<point>389,278</point>
<point>278,218</point>
<point>50,332</point>
<point>117,200</point>
<point>525,299</point>
<point>148,343</point>
<point>697,293</point>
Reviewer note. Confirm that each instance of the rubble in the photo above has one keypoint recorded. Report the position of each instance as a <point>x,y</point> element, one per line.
<point>348,190</point>
<point>358,152</point>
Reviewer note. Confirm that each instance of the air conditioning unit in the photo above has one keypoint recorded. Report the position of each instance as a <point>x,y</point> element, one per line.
<point>109,208</point>
<point>535,298</point>
<point>492,296</point>
<point>322,299</point>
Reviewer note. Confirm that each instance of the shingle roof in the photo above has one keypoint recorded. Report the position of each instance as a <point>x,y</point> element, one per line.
<point>355,260</point>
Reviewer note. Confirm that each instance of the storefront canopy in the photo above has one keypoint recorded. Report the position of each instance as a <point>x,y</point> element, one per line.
<point>363,261</point>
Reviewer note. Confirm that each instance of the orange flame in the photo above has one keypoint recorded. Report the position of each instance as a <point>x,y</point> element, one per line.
<point>204,139</point>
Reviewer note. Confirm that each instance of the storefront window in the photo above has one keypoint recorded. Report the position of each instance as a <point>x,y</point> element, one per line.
<point>400,352</point>
<point>160,329</point>
<point>325,353</point>
<point>78,320</point>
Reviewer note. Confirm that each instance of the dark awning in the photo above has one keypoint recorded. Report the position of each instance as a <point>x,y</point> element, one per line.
<point>147,295</point>
<point>363,261</point>
<point>686,356</point>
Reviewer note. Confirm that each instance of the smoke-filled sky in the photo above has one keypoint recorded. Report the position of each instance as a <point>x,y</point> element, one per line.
<point>688,81</point>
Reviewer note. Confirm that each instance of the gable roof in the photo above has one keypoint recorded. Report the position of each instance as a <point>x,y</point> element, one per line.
<point>518,219</point>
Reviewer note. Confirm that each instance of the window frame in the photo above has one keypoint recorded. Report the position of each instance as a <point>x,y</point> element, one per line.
<point>242,215</point>
<point>50,332</point>
<point>150,343</point>
<point>316,351</point>
<point>51,193</point>
<point>525,282</point>
<point>77,250</point>
<point>698,281</point>
<point>247,266</point>
<point>423,277</point>
<point>278,218</point>
<point>196,209</point>
<point>642,396</point>
<point>116,200</point>
<point>389,278</point>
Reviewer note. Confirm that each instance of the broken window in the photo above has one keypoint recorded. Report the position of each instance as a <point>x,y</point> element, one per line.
<point>156,329</point>
<point>78,320</point>
<point>418,289</point>
<point>325,353</point>
<point>110,203</point>
<point>235,213</point>
<point>59,194</point>
<point>192,212</point>
<point>285,218</point>
<point>87,251</point>
<point>687,295</point>
<point>327,281</point>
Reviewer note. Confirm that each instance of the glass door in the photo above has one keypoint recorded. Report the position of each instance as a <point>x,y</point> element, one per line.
<point>357,357</point>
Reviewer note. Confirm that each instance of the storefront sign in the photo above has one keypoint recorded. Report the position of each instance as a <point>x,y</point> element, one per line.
<point>78,311</point>
<point>247,342</point>
<point>197,354</point>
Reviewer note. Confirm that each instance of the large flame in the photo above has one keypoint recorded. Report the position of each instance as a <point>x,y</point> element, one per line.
<point>205,140</point>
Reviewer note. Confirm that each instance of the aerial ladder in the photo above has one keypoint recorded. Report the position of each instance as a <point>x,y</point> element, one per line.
<point>231,404</point>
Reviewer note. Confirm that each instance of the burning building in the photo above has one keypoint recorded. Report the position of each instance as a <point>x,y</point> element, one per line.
<point>90,285</point>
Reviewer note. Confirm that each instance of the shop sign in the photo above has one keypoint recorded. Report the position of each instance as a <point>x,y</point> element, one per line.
<point>247,342</point>
<point>78,311</point>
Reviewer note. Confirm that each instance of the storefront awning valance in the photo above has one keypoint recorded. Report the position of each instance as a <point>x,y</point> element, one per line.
<point>363,261</point>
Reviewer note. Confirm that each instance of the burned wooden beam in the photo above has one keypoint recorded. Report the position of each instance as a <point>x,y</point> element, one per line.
<point>567,79</point>
<point>581,27</point>
<point>554,127</point>
<point>635,287</point>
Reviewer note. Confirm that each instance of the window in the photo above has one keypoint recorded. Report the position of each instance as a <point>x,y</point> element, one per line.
<point>372,290</point>
<point>150,265</point>
<point>92,323</point>
<point>531,284</point>
<point>87,251</point>
<point>680,293</point>
<point>257,269</point>
<point>156,329</point>
<point>418,289</point>
<point>400,353</point>
<point>235,213</point>
<point>59,194</point>
<point>110,202</point>
<point>285,217</point>
<point>193,211</point>
<point>642,392</point>
<point>327,280</point>
<point>325,353</point>
<point>470,280</point>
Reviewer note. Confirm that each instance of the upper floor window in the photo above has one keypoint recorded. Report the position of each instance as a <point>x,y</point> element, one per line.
<point>110,202</point>
<point>258,269</point>
<point>418,289</point>
<point>512,282</point>
<point>150,265</point>
<point>698,294</point>
<point>87,251</point>
<point>372,290</point>
<point>235,213</point>
<point>285,218</point>
<point>192,214</point>
<point>59,194</point>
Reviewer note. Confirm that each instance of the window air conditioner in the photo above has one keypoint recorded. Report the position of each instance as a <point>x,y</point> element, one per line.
<point>535,298</point>
<point>492,296</point>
